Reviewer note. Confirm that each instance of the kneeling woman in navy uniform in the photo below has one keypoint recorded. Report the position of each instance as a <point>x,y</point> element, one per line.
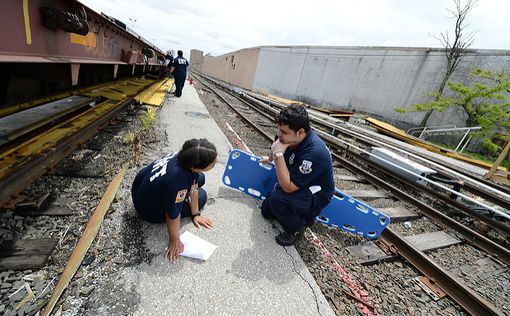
<point>171,187</point>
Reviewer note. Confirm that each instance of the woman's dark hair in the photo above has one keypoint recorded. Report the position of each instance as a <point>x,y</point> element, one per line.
<point>197,153</point>
<point>295,116</point>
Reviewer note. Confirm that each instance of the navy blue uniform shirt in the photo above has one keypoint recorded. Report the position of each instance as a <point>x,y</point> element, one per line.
<point>310,165</point>
<point>164,188</point>
<point>180,64</point>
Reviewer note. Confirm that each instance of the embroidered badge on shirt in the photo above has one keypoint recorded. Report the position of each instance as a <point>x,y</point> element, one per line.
<point>291,159</point>
<point>181,195</point>
<point>306,167</point>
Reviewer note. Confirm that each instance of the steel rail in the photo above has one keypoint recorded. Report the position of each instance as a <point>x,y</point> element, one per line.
<point>476,239</point>
<point>269,117</point>
<point>489,196</point>
<point>471,236</point>
<point>443,197</point>
<point>494,195</point>
<point>468,299</point>
<point>462,207</point>
<point>21,176</point>
<point>253,125</point>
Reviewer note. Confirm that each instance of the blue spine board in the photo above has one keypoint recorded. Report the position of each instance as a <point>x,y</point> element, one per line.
<point>245,173</point>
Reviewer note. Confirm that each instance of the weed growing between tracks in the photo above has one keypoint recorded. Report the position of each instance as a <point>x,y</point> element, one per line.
<point>136,138</point>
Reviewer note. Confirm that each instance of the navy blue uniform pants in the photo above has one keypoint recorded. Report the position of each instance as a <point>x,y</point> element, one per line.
<point>185,211</point>
<point>179,83</point>
<point>293,210</point>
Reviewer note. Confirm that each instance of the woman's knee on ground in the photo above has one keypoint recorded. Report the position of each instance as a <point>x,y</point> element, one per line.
<point>201,179</point>
<point>202,198</point>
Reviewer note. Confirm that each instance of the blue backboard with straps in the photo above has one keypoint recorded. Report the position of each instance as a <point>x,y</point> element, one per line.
<point>245,172</point>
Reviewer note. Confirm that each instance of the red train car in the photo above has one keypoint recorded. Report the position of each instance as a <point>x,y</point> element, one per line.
<point>52,45</point>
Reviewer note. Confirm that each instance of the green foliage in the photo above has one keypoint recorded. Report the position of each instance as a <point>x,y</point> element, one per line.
<point>490,146</point>
<point>485,101</point>
<point>148,119</point>
<point>136,138</point>
<point>129,138</point>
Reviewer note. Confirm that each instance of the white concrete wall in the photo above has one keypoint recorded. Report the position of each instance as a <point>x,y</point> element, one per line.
<point>236,67</point>
<point>196,59</point>
<point>372,80</point>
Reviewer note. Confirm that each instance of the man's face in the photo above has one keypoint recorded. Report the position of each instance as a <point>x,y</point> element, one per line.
<point>288,136</point>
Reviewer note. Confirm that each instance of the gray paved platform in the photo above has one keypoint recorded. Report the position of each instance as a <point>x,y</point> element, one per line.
<point>249,274</point>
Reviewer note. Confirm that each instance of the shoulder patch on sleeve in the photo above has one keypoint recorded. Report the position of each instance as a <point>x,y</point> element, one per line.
<point>181,195</point>
<point>306,167</point>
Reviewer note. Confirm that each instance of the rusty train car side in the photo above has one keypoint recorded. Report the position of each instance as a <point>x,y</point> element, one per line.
<point>52,45</point>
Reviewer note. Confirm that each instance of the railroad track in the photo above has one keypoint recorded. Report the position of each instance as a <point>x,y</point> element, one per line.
<point>412,215</point>
<point>30,149</point>
<point>476,187</point>
<point>37,239</point>
<point>481,187</point>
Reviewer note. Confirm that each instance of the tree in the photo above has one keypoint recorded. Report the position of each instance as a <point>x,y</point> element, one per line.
<point>455,48</point>
<point>485,102</point>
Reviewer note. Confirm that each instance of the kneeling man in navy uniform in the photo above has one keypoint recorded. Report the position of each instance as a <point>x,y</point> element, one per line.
<point>305,175</point>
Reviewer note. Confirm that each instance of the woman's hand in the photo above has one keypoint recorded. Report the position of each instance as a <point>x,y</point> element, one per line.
<point>175,247</point>
<point>202,221</point>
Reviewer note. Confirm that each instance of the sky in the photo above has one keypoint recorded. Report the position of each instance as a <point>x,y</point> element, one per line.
<point>221,26</point>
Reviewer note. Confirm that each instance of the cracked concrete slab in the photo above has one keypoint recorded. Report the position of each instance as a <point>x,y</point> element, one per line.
<point>249,274</point>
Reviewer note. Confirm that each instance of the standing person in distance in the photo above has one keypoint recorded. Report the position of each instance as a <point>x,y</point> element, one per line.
<point>169,60</point>
<point>179,69</point>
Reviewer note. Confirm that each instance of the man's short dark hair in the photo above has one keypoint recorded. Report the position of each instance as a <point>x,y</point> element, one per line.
<point>179,53</point>
<point>295,116</point>
<point>197,153</point>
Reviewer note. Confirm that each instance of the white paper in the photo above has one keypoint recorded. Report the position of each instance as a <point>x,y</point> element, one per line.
<point>196,247</point>
<point>315,188</point>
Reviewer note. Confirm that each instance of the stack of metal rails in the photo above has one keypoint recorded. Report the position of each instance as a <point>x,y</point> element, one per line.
<point>421,180</point>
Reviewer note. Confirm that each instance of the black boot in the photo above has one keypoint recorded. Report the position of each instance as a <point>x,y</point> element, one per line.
<point>288,239</point>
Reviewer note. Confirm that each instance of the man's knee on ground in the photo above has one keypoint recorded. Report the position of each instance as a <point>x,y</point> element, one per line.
<point>279,203</point>
<point>265,209</point>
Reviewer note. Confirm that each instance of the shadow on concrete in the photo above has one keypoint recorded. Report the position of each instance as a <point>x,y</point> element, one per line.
<point>264,259</point>
<point>133,239</point>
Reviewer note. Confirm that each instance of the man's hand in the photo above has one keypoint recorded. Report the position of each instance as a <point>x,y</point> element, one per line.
<point>265,160</point>
<point>278,146</point>
<point>202,221</point>
<point>175,247</point>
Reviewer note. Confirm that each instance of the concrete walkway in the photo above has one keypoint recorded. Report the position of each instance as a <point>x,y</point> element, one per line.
<point>249,274</point>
